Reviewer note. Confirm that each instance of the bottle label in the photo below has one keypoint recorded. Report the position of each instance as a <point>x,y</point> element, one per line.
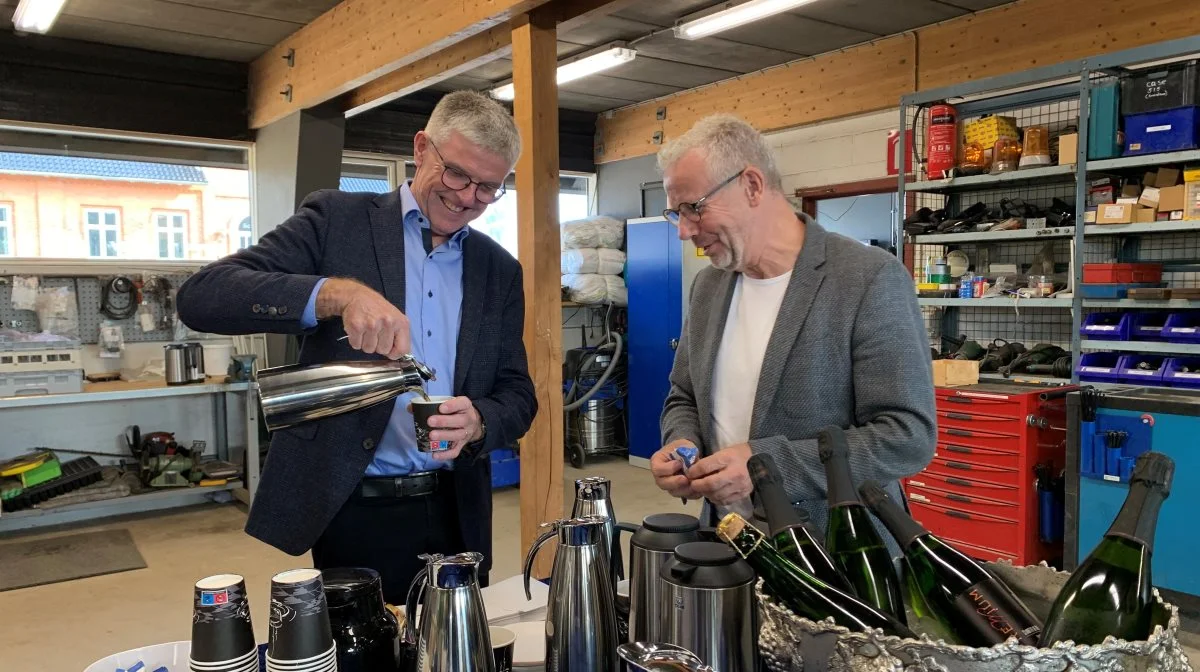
<point>998,615</point>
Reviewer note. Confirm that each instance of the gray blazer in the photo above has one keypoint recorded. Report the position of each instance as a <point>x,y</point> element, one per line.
<point>849,348</point>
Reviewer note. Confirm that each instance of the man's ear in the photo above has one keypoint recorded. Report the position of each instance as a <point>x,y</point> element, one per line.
<point>756,185</point>
<point>420,141</point>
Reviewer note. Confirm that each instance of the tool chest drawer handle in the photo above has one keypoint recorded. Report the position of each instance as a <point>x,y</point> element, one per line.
<point>958,514</point>
<point>959,432</point>
<point>959,482</point>
<point>958,465</point>
<point>960,416</point>
<point>958,449</point>
<point>960,400</point>
<point>959,498</point>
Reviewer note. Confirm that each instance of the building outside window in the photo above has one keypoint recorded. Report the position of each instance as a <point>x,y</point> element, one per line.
<point>499,221</point>
<point>102,229</point>
<point>7,242</point>
<point>245,234</point>
<point>172,234</point>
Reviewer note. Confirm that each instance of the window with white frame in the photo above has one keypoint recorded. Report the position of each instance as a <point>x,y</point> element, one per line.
<point>6,231</point>
<point>102,229</point>
<point>172,234</point>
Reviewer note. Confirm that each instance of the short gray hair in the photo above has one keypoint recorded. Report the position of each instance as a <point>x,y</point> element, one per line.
<point>730,144</point>
<point>480,119</point>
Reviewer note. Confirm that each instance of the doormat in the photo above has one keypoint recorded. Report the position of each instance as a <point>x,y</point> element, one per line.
<point>75,556</point>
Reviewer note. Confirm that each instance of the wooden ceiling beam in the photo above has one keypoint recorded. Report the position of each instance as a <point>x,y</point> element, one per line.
<point>359,41</point>
<point>872,77</point>
<point>490,45</point>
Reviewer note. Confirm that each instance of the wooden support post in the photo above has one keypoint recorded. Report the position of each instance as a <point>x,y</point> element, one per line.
<point>536,111</point>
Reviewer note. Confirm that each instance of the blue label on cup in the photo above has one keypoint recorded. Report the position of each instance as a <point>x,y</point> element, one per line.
<point>210,598</point>
<point>436,446</point>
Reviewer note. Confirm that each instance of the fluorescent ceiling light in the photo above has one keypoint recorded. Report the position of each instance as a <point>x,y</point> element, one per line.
<point>608,56</point>
<point>36,16</point>
<point>733,15</point>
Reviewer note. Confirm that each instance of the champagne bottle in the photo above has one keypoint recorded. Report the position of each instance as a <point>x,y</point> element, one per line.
<point>1109,593</point>
<point>800,591</point>
<point>791,533</point>
<point>851,537</point>
<point>971,603</point>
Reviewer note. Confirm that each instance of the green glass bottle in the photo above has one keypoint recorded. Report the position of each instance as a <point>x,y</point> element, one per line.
<point>971,603</point>
<point>850,536</point>
<point>791,533</point>
<point>800,591</point>
<point>1110,592</point>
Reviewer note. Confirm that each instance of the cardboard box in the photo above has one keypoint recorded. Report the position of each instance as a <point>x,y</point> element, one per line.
<point>1167,177</point>
<point>988,130</point>
<point>1145,215</point>
<point>1115,213</point>
<point>1089,216</point>
<point>1173,198</point>
<point>1150,178</point>
<point>1068,147</point>
<point>1191,205</point>
<point>954,372</point>
<point>1131,190</point>
<point>1131,200</point>
<point>1191,173</point>
<point>1149,197</point>
<point>1176,215</point>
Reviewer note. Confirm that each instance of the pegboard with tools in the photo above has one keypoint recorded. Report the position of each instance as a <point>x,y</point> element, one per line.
<point>131,301</point>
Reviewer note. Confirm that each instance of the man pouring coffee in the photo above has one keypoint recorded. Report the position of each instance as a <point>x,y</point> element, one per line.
<point>371,276</point>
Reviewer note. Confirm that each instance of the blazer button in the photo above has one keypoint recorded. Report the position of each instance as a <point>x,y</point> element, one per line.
<point>273,310</point>
<point>368,444</point>
<point>283,310</point>
<point>256,308</point>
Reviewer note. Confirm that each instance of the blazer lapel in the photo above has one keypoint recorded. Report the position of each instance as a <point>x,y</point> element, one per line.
<point>707,357</point>
<point>806,279</point>
<point>387,230</point>
<point>474,274</point>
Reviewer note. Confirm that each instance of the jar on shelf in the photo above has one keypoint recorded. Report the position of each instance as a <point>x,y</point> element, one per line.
<point>1036,149</point>
<point>1006,155</point>
<point>975,160</point>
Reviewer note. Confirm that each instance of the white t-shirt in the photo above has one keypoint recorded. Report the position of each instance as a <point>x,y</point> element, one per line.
<point>752,312</point>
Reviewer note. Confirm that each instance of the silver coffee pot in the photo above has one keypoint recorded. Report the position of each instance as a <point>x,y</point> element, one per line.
<point>298,393</point>
<point>652,546</point>
<point>581,617</point>
<point>454,631</point>
<point>646,657</point>
<point>593,497</point>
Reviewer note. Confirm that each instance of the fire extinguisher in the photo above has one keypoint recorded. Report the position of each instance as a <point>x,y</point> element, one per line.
<point>941,146</point>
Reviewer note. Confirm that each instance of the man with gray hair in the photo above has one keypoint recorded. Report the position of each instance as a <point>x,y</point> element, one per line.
<point>395,273</point>
<point>792,329</point>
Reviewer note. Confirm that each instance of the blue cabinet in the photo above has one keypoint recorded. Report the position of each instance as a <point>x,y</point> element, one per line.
<point>654,277</point>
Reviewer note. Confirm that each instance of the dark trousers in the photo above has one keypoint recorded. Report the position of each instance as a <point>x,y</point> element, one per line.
<point>388,533</point>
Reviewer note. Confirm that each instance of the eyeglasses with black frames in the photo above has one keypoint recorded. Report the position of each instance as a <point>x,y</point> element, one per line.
<point>454,178</point>
<point>694,210</point>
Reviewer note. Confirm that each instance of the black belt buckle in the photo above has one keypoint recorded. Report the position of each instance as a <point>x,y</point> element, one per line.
<point>416,485</point>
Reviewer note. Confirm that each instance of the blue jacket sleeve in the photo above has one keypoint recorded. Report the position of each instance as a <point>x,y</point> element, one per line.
<point>266,287</point>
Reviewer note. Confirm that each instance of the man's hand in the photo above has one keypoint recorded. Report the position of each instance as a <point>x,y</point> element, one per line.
<point>723,477</point>
<point>459,423</point>
<point>372,323</point>
<point>668,471</point>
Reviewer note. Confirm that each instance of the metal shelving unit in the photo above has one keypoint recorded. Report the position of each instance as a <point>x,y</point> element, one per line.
<point>149,501</point>
<point>1058,97</point>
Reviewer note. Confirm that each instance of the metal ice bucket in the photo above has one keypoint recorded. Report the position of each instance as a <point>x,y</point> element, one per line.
<point>788,642</point>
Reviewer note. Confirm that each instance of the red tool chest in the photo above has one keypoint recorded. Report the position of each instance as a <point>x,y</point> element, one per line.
<point>978,493</point>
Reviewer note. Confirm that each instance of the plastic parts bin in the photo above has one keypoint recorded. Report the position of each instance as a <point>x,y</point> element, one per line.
<point>1167,131</point>
<point>1150,327</point>
<point>1099,367</point>
<point>1142,369</point>
<point>1182,372</point>
<point>1182,328</point>
<point>1122,273</point>
<point>1108,326</point>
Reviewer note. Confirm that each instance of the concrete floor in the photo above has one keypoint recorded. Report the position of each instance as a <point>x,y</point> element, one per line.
<point>64,627</point>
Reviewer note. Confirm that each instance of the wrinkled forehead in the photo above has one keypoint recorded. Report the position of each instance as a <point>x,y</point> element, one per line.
<point>687,179</point>
<point>476,161</point>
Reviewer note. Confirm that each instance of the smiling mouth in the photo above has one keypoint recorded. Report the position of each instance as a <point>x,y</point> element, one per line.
<point>450,206</point>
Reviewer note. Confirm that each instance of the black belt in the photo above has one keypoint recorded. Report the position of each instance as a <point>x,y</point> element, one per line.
<point>412,485</point>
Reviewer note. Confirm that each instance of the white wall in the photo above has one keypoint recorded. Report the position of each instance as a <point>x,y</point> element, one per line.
<point>833,152</point>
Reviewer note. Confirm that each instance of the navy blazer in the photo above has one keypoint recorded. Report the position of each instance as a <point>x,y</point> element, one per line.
<point>313,468</point>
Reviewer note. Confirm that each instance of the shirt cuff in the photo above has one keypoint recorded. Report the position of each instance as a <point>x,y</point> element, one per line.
<point>309,319</point>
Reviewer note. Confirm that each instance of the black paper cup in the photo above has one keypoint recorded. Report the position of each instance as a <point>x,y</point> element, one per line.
<point>299,617</point>
<point>504,641</point>
<point>422,412</point>
<point>221,628</point>
<point>235,665</point>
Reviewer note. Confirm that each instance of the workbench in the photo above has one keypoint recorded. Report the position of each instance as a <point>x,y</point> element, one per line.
<point>224,415</point>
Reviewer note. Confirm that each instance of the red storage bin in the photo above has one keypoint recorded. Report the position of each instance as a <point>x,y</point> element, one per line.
<point>1109,274</point>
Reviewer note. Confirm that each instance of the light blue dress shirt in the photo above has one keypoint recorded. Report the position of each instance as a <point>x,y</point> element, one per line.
<point>433,304</point>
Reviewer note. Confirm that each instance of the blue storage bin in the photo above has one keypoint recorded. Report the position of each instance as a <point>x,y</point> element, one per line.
<point>1182,328</point>
<point>1149,327</point>
<point>1131,372</point>
<point>1175,376</point>
<point>1108,326</point>
<point>1166,131</point>
<point>1099,367</point>
<point>1112,291</point>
